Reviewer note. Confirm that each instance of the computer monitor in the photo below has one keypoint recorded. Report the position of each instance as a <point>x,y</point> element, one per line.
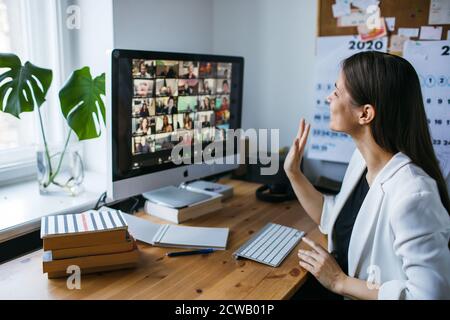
<point>157,101</point>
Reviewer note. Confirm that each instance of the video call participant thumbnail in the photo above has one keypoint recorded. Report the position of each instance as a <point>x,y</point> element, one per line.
<point>207,70</point>
<point>164,124</point>
<point>143,145</point>
<point>167,105</point>
<point>143,107</point>
<point>207,86</point>
<point>187,103</point>
<point>183,121</point>
<point>166,87</point>
<point>143,126</point>
<point>167,69</point>
<point>144,68</point>
<point>223,86</point>
<point>189,70</point>
<point>224,70</point>
<point>143,88</point>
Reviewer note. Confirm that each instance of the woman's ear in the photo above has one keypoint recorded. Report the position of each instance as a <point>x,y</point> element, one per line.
<point>367,114</point>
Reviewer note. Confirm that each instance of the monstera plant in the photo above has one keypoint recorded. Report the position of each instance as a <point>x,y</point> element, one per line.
<point>23,88</point>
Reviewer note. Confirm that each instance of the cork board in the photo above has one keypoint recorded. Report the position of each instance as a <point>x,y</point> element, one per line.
<point>407,13</point>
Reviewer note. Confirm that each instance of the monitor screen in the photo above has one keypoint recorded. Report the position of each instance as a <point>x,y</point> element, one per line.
<point>160,100</point>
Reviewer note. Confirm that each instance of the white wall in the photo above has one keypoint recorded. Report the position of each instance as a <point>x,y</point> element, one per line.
<point>277,40</point>
<point>169,25</point>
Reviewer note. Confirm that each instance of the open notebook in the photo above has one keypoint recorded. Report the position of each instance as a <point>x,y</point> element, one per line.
<point>168,235</point>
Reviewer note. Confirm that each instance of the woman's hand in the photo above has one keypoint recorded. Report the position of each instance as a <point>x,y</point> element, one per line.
<point>323,266</point>
<point>294,157</point>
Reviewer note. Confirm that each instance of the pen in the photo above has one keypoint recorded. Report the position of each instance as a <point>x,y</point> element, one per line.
<point>188,253</point>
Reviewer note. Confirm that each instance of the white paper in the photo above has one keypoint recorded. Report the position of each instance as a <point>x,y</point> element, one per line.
<point>355,18</point>
<point>432,64</point>
<point>390,23</point>
<point>325,144</point>
<point>141,229</point>
<point>439,12</point>
<point>364,4</point>
<point>340,9</point>
<point>430,33</point>
<point>345,2</point>
<point>397,42</point>
<point>448,34</point>
<point>408,32</point>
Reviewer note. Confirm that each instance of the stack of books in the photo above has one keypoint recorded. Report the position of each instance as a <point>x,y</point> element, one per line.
<point>93,240</point>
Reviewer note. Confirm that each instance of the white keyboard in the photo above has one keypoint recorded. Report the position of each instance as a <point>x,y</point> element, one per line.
<point>270,245</point>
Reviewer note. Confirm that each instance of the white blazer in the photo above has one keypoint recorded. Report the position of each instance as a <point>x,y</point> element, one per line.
<point>400,237</point>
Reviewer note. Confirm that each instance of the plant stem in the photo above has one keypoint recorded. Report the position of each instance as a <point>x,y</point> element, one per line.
<point>47,154</point>
<point>52,176</point>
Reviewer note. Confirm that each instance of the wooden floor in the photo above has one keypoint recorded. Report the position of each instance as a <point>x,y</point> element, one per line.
<point>214,276</point>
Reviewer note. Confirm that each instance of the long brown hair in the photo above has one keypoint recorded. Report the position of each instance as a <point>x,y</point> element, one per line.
<point>390,84</point>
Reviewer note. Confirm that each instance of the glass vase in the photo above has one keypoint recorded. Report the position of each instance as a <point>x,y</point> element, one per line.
<point>59,170</point>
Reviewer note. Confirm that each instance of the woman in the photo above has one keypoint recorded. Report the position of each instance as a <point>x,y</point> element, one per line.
<point>143,70</point>
<point>224,106</point>
<point>212,103</point>
<point>144,112</point>
<point>170,108</point>
<point>225,87</point>
<point>205,104</point>
<point>187,122</point>
<point>143,146</point>
<point>144,127</point>
<point>166,126</point>
<point>389,226</point>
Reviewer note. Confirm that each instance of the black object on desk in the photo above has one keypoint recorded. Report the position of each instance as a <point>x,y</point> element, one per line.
<point>188,253</point>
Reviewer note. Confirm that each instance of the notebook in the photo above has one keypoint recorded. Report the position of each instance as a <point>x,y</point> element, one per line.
<point>167,235</point>
<point>88,228</point>
<point>86,222</point>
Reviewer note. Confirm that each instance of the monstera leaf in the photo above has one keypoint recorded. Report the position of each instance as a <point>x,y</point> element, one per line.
<point>79,99</point>
<point>22,83</point>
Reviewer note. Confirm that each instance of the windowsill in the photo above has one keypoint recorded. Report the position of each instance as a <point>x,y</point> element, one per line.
<point>22,206</point>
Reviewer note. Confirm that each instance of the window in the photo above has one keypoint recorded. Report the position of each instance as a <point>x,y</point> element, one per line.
<point>29,29</point>
<point>16,136</point>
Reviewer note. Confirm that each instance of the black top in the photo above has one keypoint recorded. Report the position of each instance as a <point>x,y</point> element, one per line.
<point>345,221</point>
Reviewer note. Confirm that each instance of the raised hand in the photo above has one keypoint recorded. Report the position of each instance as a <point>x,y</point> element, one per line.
<point>295,155</point>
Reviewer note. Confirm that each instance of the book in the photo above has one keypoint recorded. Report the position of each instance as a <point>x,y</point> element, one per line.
<point>88,263</point>
<point>127,245</point>
<point>166,235</point>
<point>64,274</point>
<point>89,228</point>
<point>179,215</point>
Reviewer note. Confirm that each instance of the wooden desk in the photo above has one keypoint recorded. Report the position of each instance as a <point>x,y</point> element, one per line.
<point>214,276</point>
